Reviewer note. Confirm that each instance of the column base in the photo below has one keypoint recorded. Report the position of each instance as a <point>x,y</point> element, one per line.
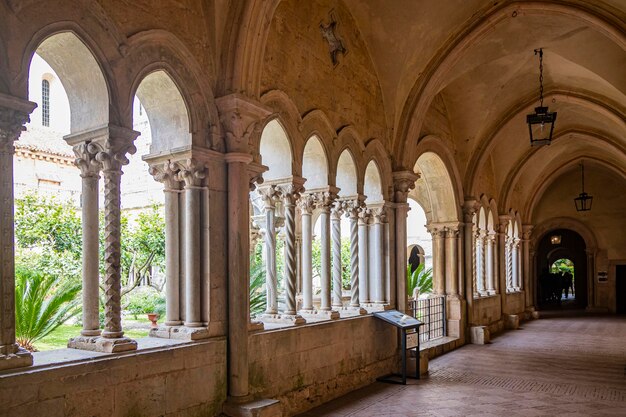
<point>352,311</point>
<point>511,321</point>
<point>257,408</point>
<point>102,344</point>
<point>371,307</point>
<point>19,358</point>
<point>180,333</point>
<point>294,319</point>
<point>255,326</point>
<point>479,335</point>
<point>319,314</point>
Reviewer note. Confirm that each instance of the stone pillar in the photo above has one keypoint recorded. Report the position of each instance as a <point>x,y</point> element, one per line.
<point>377,260</point>
<point>192,173</point>
<point>451,260</point>
<point>336,213</point>
<point>89,172</point>
<point>112,156</point>
<point>503,252</point>
<point>13,116</point>
<point>305,204</point>
<point>167,173</point>
<point>270,196</point>
<point>490,262</point>
<point>439,278</point>
<point>239,117</point>
<point>591,273</point>
<point>526,233</point>
<point>515,264</point>
<point>290,193</point>
<point>364,216</point>
<point>469,209</point>
<point>481,237</point>
<point>352,212</point>
<point>403,182</point>
<point>324,201</point>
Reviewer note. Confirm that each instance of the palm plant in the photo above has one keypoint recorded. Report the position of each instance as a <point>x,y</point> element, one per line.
<point>257,282</point>
<point>42,303</point>
<point>420,279</point>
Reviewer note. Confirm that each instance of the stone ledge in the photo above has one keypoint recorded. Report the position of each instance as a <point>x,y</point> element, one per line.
<point>19,359</point>
<point>257,408</point>
<point>180,333</point>
<point>102,344</point>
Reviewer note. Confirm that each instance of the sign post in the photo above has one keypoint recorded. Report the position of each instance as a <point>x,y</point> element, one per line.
<point>409,340</point>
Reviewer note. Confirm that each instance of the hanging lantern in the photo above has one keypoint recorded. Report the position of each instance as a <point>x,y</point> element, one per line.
<point>541,122</point>
<point>583,201</point>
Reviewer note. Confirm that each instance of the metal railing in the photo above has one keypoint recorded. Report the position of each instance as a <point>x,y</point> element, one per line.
<point>432,312</point>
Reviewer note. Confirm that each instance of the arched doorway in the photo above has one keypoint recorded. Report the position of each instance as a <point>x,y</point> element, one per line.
<point>558,250</point>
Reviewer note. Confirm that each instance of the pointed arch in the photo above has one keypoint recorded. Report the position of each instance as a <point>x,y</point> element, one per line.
<point>372,183</point>
<point>315,164</point>
<point>276,151</point>
<point>347,177</point>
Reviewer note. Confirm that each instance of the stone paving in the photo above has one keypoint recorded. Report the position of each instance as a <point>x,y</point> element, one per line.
<point>555,366</point>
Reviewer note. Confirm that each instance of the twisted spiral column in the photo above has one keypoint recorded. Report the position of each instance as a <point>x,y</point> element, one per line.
<point>336,213</point>
<point>509,264</point>
<point>290,194</point>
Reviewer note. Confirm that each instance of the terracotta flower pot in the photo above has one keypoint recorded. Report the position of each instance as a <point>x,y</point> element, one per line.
<point>153,317</point>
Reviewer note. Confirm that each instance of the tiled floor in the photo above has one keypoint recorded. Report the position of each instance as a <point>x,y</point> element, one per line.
<point>555,366</point>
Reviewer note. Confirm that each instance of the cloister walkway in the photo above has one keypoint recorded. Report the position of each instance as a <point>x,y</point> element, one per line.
<point>555,366</point>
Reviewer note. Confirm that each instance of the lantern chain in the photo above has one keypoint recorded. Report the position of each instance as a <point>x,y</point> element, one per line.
<point>540,52</point>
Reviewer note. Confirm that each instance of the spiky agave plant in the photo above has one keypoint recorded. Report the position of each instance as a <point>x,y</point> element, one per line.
<point>42,303</point>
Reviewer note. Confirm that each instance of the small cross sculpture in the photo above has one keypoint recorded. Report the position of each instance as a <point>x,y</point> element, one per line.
<point>334,44</point>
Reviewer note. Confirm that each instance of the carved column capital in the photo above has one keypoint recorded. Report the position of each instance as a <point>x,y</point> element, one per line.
<point>364,215</point>
<point>306,203</point>
<point>14,114</point>
<point>352,208</point>
<point>527,230</point>
<point>241,117</point>
<point>324,199</point>
<point>86,153</point>
<point>403,182</point>
<point>255,172</point>
<point>336,210</point>
<point>113,148</point>
<point>166,172</point>
<point>270,195</point>
<point>290,191</point>
<point>470,207</point>
<point>436,230</point>
<point>379,214</point>
<point>191,172</point>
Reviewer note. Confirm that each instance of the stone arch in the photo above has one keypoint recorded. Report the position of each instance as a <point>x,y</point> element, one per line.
<point>276,151</point>
<point>486,144</point>
<point>81,76</point>
<point>547,180</point>
<point>433,78</point>
<point>436,184</point>
<point>166,110</point>
<point>315,163</point>
<point>347,176</point>
<point>348,140</point>
<point>569,223</point>
<point>151,51</point>
<point>372,183</point>
<point>375,151</point>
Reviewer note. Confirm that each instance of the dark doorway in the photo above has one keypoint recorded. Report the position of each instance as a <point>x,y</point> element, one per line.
<point>620,289</point>
<point>558,248</point>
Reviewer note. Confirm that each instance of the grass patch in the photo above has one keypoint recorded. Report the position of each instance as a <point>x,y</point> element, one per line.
<point>59,337</point>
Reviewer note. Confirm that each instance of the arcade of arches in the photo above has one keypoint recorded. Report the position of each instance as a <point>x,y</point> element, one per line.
<point>302,123</point>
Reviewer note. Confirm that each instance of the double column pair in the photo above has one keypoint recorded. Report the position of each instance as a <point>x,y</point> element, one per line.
<point>105,150</point>
<point>183,181</point>
<point>445,258</point>
<point>287,193</point>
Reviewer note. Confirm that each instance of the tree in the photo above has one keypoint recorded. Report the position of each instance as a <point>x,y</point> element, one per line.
<point>42,303</point>
<point>421,280</point>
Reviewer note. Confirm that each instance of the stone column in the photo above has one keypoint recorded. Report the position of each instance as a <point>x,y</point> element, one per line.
<point>336,213</point>
<point>13,116</point>
<point>112,156</point>
<point>526,233</point>
<point>490,270</point>
<point>591,273</point>
<point>403,182</point>
<point>305,204</point>
<point>469,209</point>
<point>481,237</point>
<point>377,266</point>
<point>324,201</point>
<point>503,253</point>
<point>192,173</point>
<point>352,212</point>
<point>364,216</point>
<point>451,260</point>
<point>517,285</point>
<point>167,173</point>
<point>270,196</point>
<point>290,193</point>
<point>438,234</point>
<point>89,172</point>
<point>240,118</point>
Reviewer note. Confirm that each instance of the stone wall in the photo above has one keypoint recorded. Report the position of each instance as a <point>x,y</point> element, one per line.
<point>307,366</point>
<point>514,303</point>
<point>487,311</point>
<point>174,381</point>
